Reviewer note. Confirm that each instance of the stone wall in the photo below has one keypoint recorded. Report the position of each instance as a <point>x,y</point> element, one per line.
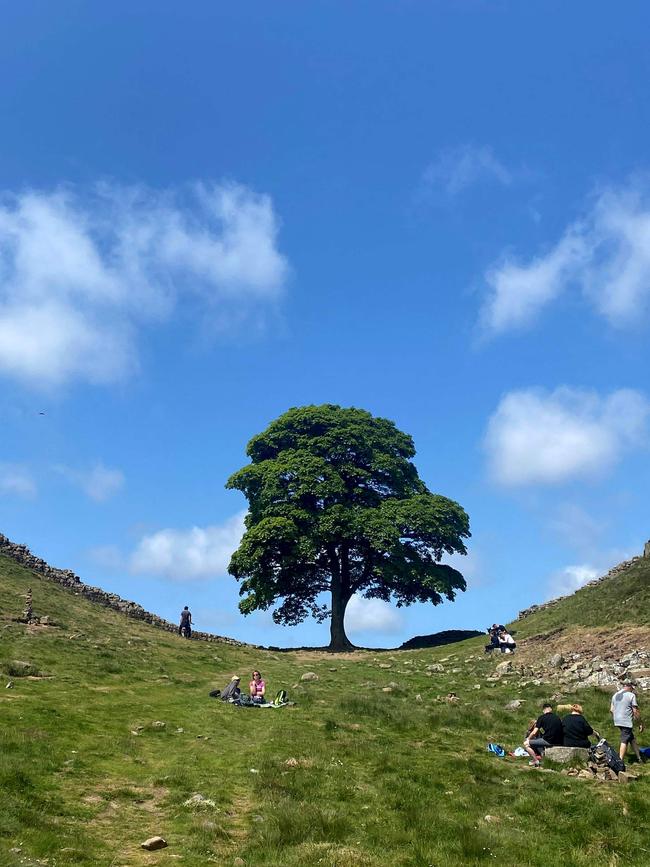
<point>65,578</point>
<point>622,567</point>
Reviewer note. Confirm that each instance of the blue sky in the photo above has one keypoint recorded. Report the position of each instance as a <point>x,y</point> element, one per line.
<point>437,211</point>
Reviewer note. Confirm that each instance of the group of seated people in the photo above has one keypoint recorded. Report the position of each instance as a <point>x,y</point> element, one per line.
<point>256,689</point>
<point>500,639</point>
<point>549,730</point>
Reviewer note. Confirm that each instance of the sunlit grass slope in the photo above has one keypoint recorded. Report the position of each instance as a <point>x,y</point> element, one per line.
<point>350,776</point>
<point>620,599</point>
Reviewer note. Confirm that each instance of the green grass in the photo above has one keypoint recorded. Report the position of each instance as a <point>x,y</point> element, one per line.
<point>624,598</point>
<point>377,779</point>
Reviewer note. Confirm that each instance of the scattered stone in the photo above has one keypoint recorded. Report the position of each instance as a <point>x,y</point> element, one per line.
<point>556,661</point>
<point>254,771</point>
<point>477,686</point>
<point>627,777</point>
<point>292,763</point>
<point>385,665</point>
<point>489,818</point>
<point>514,704</point>
<point>154,843</point>
<point>436,667</point>
<point>387,689</point>
<point>565,754</point>
<point>180,731</point>
<point>309,675</point>
<point>158,724</point>
<point>504,667</point>
<point>238,862</point>
<point>10,685</point>
<point>418,697</point>
<point>331,669</point>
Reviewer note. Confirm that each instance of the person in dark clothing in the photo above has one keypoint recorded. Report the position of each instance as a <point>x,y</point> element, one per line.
<point>547,732</point>
<point>576,729</point>
<point>185,627</point>
<point>493,632</point>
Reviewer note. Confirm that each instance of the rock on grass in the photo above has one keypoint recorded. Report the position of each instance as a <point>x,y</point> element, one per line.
<point>154,843</point>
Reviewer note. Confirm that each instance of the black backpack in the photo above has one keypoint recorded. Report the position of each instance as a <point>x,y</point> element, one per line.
<point>603,750</point>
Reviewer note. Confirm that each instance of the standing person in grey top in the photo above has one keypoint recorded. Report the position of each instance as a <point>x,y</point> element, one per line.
<point>625,710</point>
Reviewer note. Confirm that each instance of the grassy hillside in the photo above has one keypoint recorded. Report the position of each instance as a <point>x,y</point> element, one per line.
<point>623,598</point>
<point>352,776</point>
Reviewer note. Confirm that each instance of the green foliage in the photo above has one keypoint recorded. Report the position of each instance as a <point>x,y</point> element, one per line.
<point>336,506</point>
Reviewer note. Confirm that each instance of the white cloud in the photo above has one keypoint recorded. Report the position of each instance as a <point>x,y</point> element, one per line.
<point>100,483</point>
<point>570,579</point>
<point>16,480</point>
<point>605,254</point>
<point>186,555</point>
<point>371,615</point>
<point>81,275</point>
<point>537,437</point>
<point>456,169</point>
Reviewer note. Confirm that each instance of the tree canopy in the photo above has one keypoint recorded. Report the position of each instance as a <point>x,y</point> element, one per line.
<point>336,506</point>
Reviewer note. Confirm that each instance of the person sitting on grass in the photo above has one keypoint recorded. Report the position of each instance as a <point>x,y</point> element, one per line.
<point>257,688</point>
<point>576,729</point>
<point>232,691</point>
<point>547,732</point>
<point>493,632</point>
<point>506,642</point>
<point>625,710</point>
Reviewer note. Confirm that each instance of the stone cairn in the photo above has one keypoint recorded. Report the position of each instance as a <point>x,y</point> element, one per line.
<point>65,578</point>
<point>598,769</point>
<point>28,613</point>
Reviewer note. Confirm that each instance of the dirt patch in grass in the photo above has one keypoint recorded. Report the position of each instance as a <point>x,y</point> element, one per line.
<point>608,642</point>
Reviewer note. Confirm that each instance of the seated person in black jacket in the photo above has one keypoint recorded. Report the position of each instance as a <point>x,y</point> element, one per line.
<point>547,732</point>
<point>576,729</point>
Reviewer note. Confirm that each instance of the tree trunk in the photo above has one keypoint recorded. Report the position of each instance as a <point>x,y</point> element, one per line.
<point>338,639</point>
<point>340,597</point>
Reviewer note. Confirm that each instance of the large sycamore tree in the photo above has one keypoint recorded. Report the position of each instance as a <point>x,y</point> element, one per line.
<point>336,507</point>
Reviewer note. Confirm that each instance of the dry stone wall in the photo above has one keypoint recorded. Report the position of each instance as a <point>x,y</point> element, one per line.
<point>65,578</point>
<point>621,567</point>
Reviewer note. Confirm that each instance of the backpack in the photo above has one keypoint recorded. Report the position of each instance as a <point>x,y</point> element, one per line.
<point>602,748</point>
<point>280,697</point>
<point>496,749</point>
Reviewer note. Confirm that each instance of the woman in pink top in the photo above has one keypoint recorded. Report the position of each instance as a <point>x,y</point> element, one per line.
<point>257,687</point>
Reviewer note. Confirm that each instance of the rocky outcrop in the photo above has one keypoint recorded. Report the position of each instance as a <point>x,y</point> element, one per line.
<point>65,578</point>
<point>579,671</point>
<point>621,567</point>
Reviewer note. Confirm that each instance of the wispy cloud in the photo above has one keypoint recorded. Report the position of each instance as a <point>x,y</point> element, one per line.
<point>16,480</point>
<point>371,615</point>
<point>455,169</point>
<point>605,255</point>
<point>100,483</point>
<point>80,275</point>
<point>570,579</point>
<point>540,437</point>
<point>188,554</point>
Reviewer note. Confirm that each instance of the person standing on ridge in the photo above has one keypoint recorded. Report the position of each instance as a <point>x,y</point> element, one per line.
<point>185,627</point>
<point>625,710</point>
